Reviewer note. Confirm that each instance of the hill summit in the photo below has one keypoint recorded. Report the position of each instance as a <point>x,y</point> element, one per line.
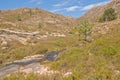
<point>95,13</point>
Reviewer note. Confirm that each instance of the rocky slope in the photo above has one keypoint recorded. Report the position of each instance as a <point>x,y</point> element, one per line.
<point>31,25</point>
<point>26,24</point>
<point>35,19</point>
<point>28,65</point>
<point>95,13</point>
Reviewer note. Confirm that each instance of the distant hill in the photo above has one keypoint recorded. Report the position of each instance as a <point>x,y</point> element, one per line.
<point>26,25</point>
<point>95,13</point>
<point>35,19</point>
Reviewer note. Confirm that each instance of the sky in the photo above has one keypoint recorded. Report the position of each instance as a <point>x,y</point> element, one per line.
<point>75,8</point>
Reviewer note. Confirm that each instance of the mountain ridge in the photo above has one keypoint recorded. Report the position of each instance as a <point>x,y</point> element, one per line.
<point>95,13</point>
<point>35,17</point>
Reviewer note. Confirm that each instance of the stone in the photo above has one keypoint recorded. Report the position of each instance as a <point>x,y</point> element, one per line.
<point>67,74</point>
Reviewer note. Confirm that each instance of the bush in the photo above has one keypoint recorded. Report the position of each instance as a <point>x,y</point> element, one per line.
<point>19,18</point>
<point>40,25</point>
<point>30,12</point>
<point>109,15</point>
<point>85,29</point>
<point>70,32</point>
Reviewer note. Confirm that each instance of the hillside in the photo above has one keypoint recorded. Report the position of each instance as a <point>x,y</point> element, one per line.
<point>30,25</point>
<point>39,45</point>
<point>95,13</point>
<point>34,19</point>
<point>33,27</point>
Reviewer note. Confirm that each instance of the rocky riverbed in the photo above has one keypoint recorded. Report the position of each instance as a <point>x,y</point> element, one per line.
<point>30,64</point>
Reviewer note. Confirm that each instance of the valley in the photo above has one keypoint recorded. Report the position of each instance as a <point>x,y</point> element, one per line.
<point>39,45</point>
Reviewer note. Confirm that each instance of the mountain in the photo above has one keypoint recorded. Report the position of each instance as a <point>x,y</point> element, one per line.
<point>34,19</point>
<point>26,24</point>
<point>95,13</point>
<point>48,45</point>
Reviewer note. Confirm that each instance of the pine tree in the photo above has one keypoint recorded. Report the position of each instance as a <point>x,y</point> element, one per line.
<point>85,29</point>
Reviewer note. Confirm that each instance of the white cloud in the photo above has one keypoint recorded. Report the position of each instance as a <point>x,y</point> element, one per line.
<point>88,7</point>
<point>72,8</point>
<point>61,7</point>
<point>62,4</point>
<point>37,2</point>
<point>58,5</point>
<point>31,1</point>
<point>69,9</point>
<point>56,10</point>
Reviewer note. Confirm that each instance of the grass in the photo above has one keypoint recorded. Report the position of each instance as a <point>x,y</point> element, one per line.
<point>34,20</point>
<point>16,51</point>
<point>98,60</point>
<point>32,76</point>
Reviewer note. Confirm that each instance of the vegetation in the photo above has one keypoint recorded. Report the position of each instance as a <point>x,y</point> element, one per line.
<point>109,15</point>
<point>98,60</point>
<point>19,18</point>
<point>85,29</point>
<point>32,76</point>
<point>40,25</point>
<point>30,12</point>
<point>16,51</point>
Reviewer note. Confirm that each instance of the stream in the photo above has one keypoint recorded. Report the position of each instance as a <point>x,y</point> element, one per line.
<point>33,63</point>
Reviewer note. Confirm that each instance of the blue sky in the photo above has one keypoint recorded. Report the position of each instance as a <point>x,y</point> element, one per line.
<point>73,8</point>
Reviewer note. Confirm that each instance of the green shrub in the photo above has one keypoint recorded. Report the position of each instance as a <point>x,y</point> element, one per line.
<point>71,32</point>
<point>109,15</point>
<point>19,18</point>
<point>30,12</point>
<point>85,29</point>
<point>40,25</point>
